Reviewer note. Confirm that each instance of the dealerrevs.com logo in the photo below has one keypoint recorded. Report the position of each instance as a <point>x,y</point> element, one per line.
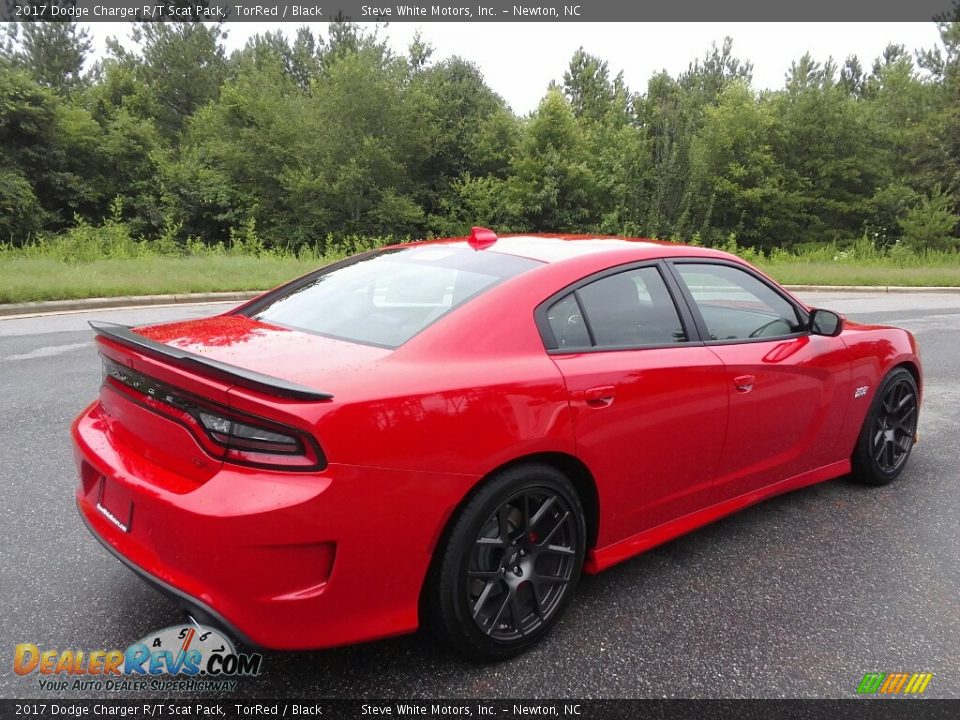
<point>181,657</point>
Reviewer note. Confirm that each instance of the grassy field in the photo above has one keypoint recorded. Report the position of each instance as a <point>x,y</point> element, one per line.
<point>25,279</point>
<point>106,262</point>
<point>824,273</point>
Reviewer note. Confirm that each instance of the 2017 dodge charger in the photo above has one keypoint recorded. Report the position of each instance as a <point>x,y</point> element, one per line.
<point>448,433</point>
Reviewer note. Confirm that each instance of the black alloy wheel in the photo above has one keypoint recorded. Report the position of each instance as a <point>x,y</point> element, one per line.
<point>894,426</point>
<point>522,561</point>
<point>889,430</point>
<point>509,565</point>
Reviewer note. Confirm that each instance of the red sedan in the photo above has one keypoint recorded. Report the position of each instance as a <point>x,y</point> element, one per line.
<point>447,433</point>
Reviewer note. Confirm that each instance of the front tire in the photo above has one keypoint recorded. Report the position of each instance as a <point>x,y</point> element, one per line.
<point>510,564</point>
<point>888,431</point>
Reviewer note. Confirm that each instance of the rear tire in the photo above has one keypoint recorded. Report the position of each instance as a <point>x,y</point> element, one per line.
<point>510,563</point>
<point>888,432</point>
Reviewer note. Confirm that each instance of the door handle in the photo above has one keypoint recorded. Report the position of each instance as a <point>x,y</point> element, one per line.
<point>744,383</point>
<point>600,396</point>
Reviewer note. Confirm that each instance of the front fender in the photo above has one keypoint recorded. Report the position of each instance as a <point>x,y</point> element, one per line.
<point>874,351</point>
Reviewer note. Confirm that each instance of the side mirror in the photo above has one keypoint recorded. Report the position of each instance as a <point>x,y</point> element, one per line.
<point>826,322</point>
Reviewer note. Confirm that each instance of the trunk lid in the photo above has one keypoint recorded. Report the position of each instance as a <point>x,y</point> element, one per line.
<point>313,361</point>
<point>281,376</point>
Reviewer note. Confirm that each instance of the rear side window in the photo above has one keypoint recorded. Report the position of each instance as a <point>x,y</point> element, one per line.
<point>567,324</point>
<point>387,298</point>
<point>629,309</point>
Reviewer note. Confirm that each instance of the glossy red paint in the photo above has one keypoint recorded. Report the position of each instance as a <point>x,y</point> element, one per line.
<point>668,439</point>
<point>481,238</point>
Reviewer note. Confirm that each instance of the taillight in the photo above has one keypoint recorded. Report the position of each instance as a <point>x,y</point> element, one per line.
<point>223,432</point>
<point>240,435</point>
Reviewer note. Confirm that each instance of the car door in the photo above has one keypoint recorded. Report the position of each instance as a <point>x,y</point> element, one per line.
<point>649,402</point>
<point>787,387</point>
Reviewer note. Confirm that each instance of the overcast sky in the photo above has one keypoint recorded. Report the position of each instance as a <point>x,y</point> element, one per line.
<point>519,60</point>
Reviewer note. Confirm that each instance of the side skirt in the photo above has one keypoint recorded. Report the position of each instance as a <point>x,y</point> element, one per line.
<point>605,557</point>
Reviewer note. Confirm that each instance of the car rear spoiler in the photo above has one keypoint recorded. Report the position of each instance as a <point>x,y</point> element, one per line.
<point>268,384</point>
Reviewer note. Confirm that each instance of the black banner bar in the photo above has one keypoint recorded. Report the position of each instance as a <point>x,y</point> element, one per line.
<point>868,709</point>
<point>300,11</point>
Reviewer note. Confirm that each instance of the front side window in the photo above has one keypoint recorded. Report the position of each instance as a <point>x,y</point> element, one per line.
<point>735,305</point>
<point>629,309</point>
<point>388,297</point>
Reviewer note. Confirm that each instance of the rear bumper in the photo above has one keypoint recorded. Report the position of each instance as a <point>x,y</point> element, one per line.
<point>280,560</point>
<point>198,610</point>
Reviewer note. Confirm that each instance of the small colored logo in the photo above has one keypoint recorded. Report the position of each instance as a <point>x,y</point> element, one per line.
<point>896,683</point>
<point>187,655</point>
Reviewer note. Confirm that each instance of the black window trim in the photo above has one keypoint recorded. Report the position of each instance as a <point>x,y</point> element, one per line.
<point>803,316</point>
<point>687,320</point>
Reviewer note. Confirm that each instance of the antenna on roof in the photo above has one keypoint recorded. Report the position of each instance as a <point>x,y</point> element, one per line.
<point>481,237</point>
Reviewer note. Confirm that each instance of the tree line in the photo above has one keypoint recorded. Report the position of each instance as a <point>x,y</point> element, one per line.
<point>301,138</point>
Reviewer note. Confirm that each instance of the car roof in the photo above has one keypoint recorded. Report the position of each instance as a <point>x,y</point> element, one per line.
<point>556,248</point>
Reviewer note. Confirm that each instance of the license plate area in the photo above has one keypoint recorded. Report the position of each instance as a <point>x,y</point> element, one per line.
<point>115,503</point>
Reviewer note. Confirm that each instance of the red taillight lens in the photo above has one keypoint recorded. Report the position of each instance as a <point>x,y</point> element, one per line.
<point>222,432</point>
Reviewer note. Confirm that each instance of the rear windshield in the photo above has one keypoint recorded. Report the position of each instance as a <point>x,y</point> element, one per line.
<point>388,297</point>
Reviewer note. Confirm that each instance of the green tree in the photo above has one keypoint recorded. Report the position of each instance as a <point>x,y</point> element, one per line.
<point>362,138</point>
<point>298,137</point>
<point>670,115</point>
<point>234,152</point>
<point>852,78</point>
<point>824,143</point>
<point>930,225</point>
<point>591,92</point>
<point>707,77</point>
<point>906,115</point>
<point>179,68</point>
<point>736,183</point>
<point>944,65</point>
<point>551,185</point>
<point>300,58</point>
<point>667,124</point>
<point>52,50</point>
<point>21,215</point>
<point>467,129</point>
<point>52,147</point>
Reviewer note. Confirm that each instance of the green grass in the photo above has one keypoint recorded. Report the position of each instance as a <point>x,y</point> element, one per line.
<point>106,261</point>
<point>800,272</point>
<point>24,279</point>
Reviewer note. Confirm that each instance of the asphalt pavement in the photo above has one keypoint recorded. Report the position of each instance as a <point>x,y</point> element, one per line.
<point>796,597</point>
